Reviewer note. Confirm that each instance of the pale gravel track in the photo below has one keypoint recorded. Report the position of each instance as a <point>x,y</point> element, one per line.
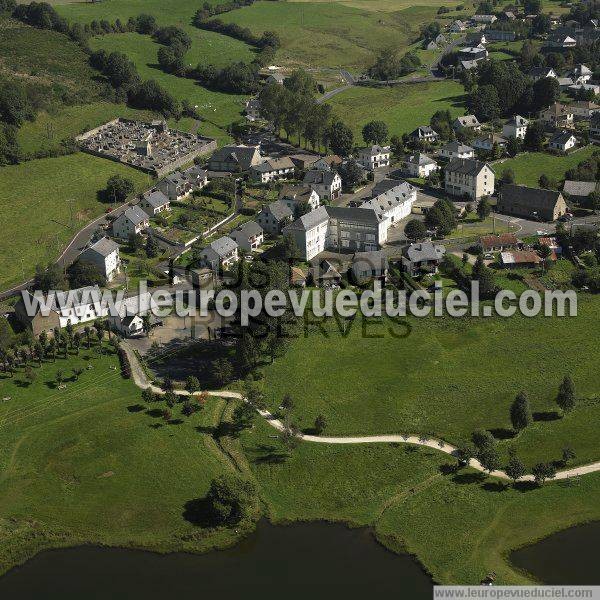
<point>141,380</point>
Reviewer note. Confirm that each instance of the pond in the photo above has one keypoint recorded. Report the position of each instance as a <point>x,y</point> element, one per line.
<point>569,557</point>
<point>305,560</point>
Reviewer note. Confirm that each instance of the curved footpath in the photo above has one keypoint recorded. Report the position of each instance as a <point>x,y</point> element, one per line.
<point>140,378</point>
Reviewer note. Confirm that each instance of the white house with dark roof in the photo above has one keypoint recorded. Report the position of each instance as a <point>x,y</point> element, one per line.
<point>276,77</point>
<point>515,127</point>
<point>542,72</point>
<point>368,266</point>
<point>488,141</point>
<point>424,134</point>
<point>154,202</point>
<point>456,150</point>
<point>104,255</point>
<point>249,236</point>
<point>274,217</point>
<point>297,196</point>
<point>180,184</point>
<point>272,169</point>
<point>222,253</point>
<point>422,257</point>
<point>309,232</point>
<point>328,163</point>
<point>373,157</point>
<point>561,40</point>
<point>392,206</point>
<point>469,178</point>
<point>595,128</point>
<point>563,141</point>
<point>419,165</point>
<point>327,184</point>
<point>234,159</point>
<point>131,222</point>
<point>475,53</point>
<point>580,74</point>
<point>457,27</point>
<point>466,122</point>
<point>485,19</point>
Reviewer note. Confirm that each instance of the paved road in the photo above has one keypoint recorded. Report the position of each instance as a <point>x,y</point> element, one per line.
<point>74,248</point>
<point>141,380</point>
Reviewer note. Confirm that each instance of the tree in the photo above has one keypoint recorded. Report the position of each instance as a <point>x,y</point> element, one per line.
<point>152,247</point>
<point>60,377</point>
<point>568,454</point>
<point>534,136</point>
<point>287,404</point>
<point>542,472</point>
<point>231,499</point>
<point>545,252</point>
<point>192,384</point>
<point>222,371</point>
<point>82,274</point>
<point>484,208</point>
<point>351,173</point>
<point>485,276</point>
<point>508,175</point>
<point>30,374</point>
<point>546,91</point>
<point>415,230</point>
<point>513,147</point>
<point>532,7</point>
<point>489,458</point>
<point>484,102</point>
<point>320,424</point>
<point>483,439</point>
<point>340,138</point>
<point>50,278</point>
<point>118,188</point>
<point>77,372</point>
<point>465,452</point>
<point>515,468</point>
<point>566,398</point>
<point>15,107</point>
<point>375,132</point>
<point>520,412</point>
<point>7,6</point>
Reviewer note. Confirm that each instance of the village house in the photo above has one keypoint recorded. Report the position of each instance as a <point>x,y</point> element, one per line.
<point>469,178</point>
<point>520,259</point>
<point>576,88</point>
<point>475,39</point>
<point>419,165</point>
<point>326,274</point>
<point>131,222</point>
<point>327,184</point>
<point>331,162</point>
<point>309,232</point>
<point>580,74</point>
<point>498,243</point>
<point>220,254</point>
<point>277,78</point>
<point>557,115</point>
<point>297,197</point>
<point>373,157</point>
<point>584,109</point>
<point>457,27</point>
<point>531,203</point>
<point>542,72</point>
<point>475,53</point>
<point>456,150</point>
<point>466,122</point>
<point>272,169</point>
<point>234,159</point>
<point>392,206</point>
<point>488,141</point>
<point>73,307</point>
<point>561,40</point>
<point>249,236</point>
<point>424,134</point>
<point>422,257</point>
<point>552,243</point>
<point>303,162</point>
<point>369,266</point>
<point>515,127</point>
<point>180,184</point>
<point>579,191</point>
<point>129,321</point>
<point>104,255</point>
<point>485,19</point>
<point>297,277</point>
<point>595,128</point>
<point>468,65</point>
<point>274,217</point>
<point>253,109</point>
<point>154,202</point>
<point>500,35</point>
<point>563,141</point>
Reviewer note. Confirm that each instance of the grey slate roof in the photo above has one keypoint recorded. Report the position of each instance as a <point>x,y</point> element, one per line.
<point>135,214</point>
<point>103,247</point>
<point>274,164</point>
<point>223,246</point>
<point>580,188</point>
<point>349,213</point>
<point>536,198</point>
<point>374,150</point>
<point>466,166</point>
<point>241,155</point>
<point>73,298</point>
<point>383,186</point>
<point>319,177</point>
<point>280,210</point>
<point>468,121</point>
<point>310,219</point>
<point>423,131</point>
<point>457,148</point>
<point>424,251</point>
<point>249,229</point>
<point>297,193</point>
<point>562,137</point>
<point>156,199</point>
<point>517,121</point>
<point>420,159</point>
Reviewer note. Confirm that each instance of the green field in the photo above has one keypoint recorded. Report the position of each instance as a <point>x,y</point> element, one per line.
<point>448,378</point>
<point>530,166</point>
<point>317,34</point>
<point>402,107</point>
<point>92,464</point>
<point>36,217</point>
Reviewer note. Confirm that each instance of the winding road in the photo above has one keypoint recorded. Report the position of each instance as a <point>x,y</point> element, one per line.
<point>140,378</point>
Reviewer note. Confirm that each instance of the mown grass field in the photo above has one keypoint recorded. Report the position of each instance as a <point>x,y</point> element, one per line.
<point>315,34</point>
<point>530,166</point>
<point>447,378</point>
<point>402,107</point>
<point>35,212</point>
<point>89,464</point>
